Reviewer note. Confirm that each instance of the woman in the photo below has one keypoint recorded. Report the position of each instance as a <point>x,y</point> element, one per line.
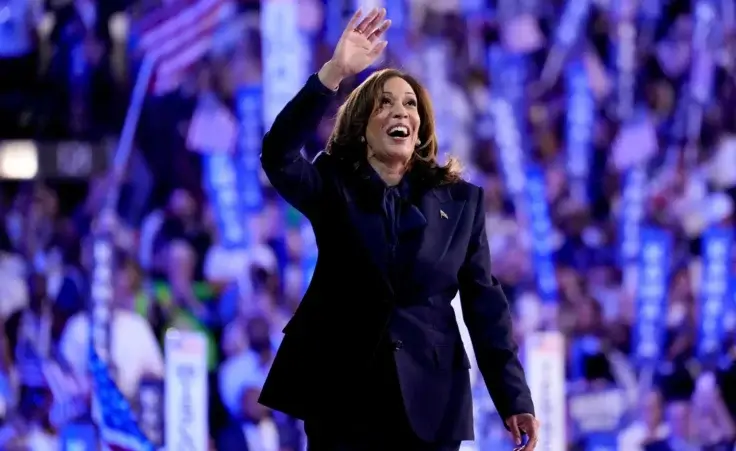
<point>373,359</point>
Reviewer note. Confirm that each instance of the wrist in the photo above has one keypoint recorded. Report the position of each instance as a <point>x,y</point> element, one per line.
<point>330,75</point>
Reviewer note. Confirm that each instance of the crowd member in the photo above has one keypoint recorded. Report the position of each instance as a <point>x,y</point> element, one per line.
<point>247,370</point>
<point>135,352</point>
<point>257,428</point>
<point>19,65</point>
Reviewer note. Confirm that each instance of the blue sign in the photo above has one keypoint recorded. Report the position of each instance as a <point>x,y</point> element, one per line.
<point>221,176</point>
<point>703,64</point>
<point>101,289</point>
<point>632,213</point>
<point>250,117</point>
<point>624,54</point>
<point>651,302</point>
<point>702,71</point>
<point>509,72</point>
<point>79,437</point>
<point>151,409</point>
<point>567,34</point>
<point>506,109</point>
<point>597,418</point>
<point>580,121</point>
<point>541,232</point>
<point>286,56</point>
<point>572,22</point>
<point>287,59</point>
<point>232,180</point>
<point>716,250</point>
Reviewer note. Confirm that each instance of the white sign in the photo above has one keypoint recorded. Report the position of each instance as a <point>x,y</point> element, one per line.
<point>286,56</point>
<point>545,367</point>
<point>186,391</point>
<point>213,129</point>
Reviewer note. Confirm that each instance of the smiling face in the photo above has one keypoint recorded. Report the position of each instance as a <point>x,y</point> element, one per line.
<point>393,128</point>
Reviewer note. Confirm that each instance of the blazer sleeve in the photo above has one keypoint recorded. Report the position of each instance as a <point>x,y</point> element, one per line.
<point>296,179</point>
<point>486,314</point>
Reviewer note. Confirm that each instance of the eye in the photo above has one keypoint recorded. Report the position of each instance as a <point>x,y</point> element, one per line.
<point>385,101</point>
<point>412,102</point>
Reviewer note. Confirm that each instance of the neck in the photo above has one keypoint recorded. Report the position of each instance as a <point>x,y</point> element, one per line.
<point>390,172</point>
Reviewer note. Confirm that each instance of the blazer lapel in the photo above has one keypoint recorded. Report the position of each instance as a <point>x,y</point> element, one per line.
<point>442,214</point>
<point>433,219</point>
<point>367,218</point>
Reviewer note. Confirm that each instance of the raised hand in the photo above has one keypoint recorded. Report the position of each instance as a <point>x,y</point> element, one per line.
<point>359,45</point>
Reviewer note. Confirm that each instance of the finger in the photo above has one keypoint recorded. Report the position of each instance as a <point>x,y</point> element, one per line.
<point>515,432</point>
<point>378,32</point>
<point>531,445</point>
<point>532,437</point>
<point>365,23</point>
<point>376,21</point>
<point>353,22</point>
<point>377,49</point>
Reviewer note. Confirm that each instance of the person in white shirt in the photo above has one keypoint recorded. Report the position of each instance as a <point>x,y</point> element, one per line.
<point>649,429</point>
<point>258,428</point>
<point>135,352</point>
<point>249,368</point>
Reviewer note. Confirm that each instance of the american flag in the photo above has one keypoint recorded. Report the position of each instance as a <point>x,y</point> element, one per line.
<point>118,428</point>
<point>179,34</point>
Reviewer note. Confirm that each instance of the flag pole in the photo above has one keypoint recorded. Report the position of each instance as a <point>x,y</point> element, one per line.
<point>125,144</point>
<point>103,243</point>
<point>103,246</point>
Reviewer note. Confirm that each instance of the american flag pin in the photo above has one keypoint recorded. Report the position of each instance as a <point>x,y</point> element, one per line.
<point>443,215</point>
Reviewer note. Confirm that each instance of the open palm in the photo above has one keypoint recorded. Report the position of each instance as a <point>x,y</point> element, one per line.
<point>359,45</point>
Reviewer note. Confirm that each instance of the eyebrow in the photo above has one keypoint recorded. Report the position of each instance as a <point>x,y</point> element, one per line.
<point>391,94</point>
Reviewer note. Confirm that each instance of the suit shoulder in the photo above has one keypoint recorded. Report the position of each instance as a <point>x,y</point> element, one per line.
<point>464,190</point>
<point>323,161</point>
<point>321,158</point>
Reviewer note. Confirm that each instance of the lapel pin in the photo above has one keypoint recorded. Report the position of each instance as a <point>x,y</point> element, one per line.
<point>443,215</point>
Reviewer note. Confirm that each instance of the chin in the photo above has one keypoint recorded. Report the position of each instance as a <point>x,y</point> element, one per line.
<point>396,153</point>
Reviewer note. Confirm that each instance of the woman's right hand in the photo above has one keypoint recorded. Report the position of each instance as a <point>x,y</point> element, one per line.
<point>358,46</point>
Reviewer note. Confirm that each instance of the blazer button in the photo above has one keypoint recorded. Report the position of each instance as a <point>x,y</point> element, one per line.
<point>398,344</point>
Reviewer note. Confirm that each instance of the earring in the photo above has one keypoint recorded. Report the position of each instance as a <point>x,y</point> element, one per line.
<point>362,139</point>
<point>419,142</point>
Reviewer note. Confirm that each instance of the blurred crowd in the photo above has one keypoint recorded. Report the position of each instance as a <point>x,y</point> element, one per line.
<point>65,73</point>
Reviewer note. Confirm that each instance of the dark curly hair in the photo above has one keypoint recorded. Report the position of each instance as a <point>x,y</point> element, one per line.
<point>352,119</point>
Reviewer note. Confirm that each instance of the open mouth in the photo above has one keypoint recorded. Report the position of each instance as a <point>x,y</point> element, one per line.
<point>398,132</point>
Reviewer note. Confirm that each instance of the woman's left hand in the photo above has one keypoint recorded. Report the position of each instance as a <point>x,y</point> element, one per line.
<point>524,423</point>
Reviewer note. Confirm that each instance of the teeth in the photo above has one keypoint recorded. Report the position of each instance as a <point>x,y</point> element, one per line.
<point>401,128</point>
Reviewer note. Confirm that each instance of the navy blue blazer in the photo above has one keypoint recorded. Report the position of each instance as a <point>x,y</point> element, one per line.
<point>352,303</point>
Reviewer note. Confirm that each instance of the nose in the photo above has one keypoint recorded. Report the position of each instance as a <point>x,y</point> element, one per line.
<point>399,111</point>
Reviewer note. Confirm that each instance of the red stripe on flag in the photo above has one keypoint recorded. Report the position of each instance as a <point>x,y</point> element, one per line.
<point>189,47</point>
<point>182,39</point>
<point>176,24</point>
<point>152,19</point>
